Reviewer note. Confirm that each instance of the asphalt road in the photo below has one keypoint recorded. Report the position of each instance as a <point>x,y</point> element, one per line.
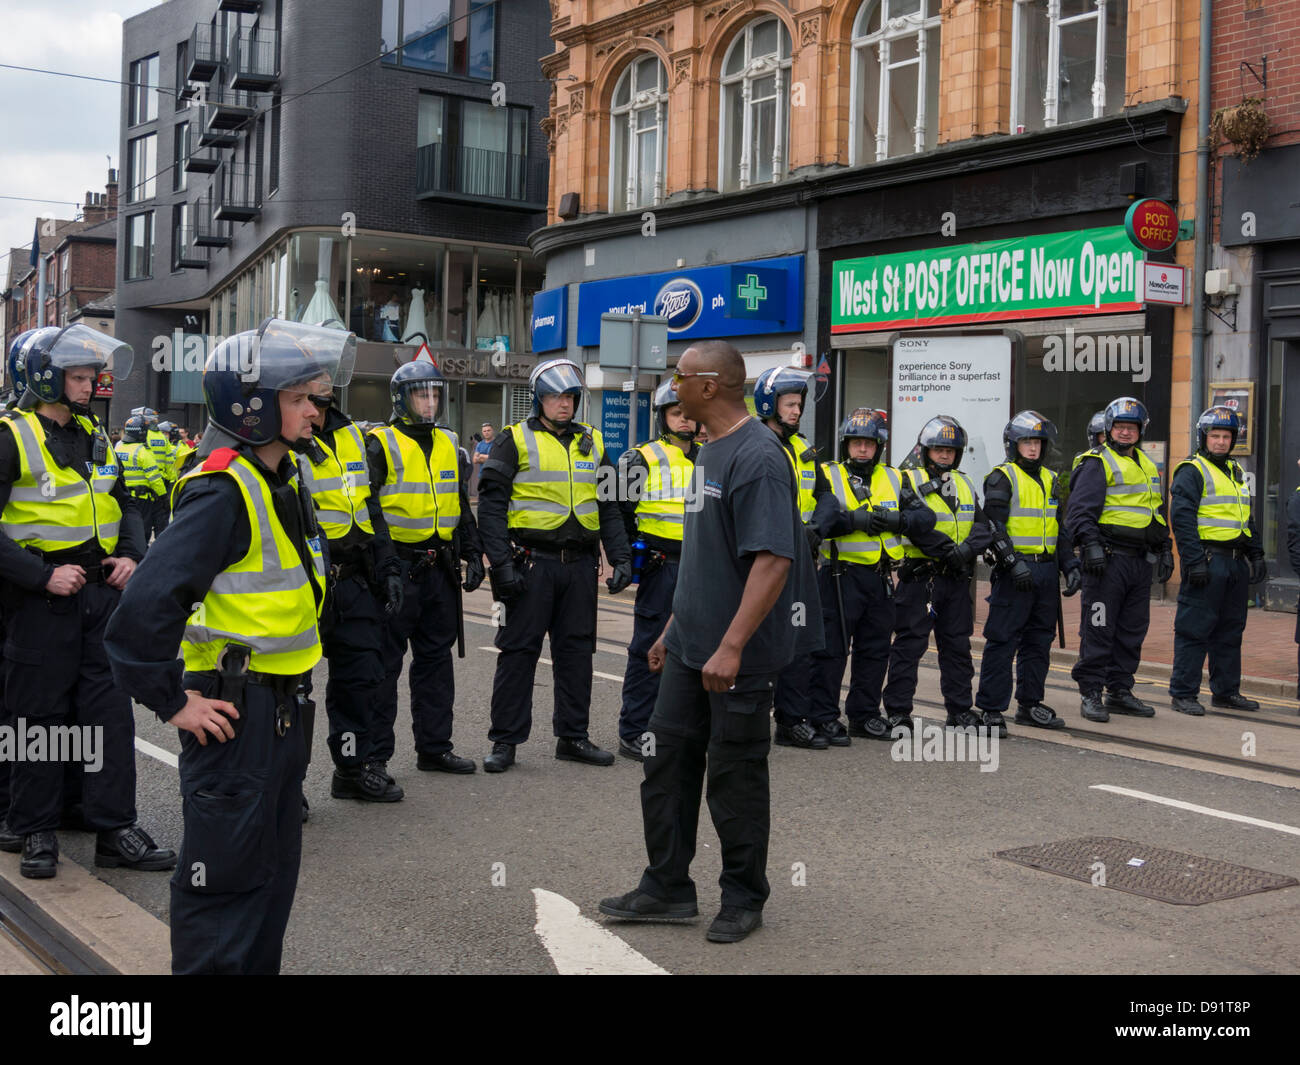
<point>876,865</point>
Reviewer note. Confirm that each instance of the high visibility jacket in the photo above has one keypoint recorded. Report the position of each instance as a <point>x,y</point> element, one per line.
<point>883,492</point>
<point>1133,493</point>
<point>1224,513</point>
<point>956,525</point>
<point>661,510</point>
<point>140,470</point>
<point>551,482</point>
<point>52,507</point>
<point>340,484</point>
<point>806,472</point>
<point>160,446</point>
<point>268,600</point>
<point>184,449</point>
<point>1032,524</point>
<point>420,497</point>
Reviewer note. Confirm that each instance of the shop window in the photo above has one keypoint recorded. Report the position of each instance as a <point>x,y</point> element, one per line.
<point>638,127</point>
<point>1068,61</point>
<point>142,91</point>
<point>895,79</point>
<point>754,126</point>
<point>142,168</point>
<point>443,36</point>
<point>397,291</point>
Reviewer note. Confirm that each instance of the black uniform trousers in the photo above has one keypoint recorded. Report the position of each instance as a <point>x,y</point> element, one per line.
<point>1211,619</point>
<point>156,516</point>
<point>869,620</point>
<point>953,621</point>
<point>793,694</point>
<point>1115,613</point>
<point>234,883</point>
<point>1020,625</point>
<point>560,599</point>
<point>352,640</point>
<point>654,606</point>
<point>57,674</point>
<point>427,621</point>
<point>726,736</point>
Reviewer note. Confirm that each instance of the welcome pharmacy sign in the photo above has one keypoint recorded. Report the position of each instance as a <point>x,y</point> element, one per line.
<point>1088,271</point>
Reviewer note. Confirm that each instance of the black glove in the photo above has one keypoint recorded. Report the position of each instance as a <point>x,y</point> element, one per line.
<point>1258,570</point>
<point>814,538</point>
<point>1024,580</point>
<point>863,520</point>
<point>1094,558</point>
<point>957,559</point>
<point>622,577</point>
<point>1165,565</point>
<point>507,584</point>
<point>394,594</point>
<point>1198,573</point>
<point>1073,582</point>
<point>474,573</point>
<point>886,520</point>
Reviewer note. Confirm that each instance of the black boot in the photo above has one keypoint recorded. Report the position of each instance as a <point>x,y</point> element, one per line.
<point>1236,701</point>
<point>1123,701</point>
<point>1091,707</point>
<point>131,848</point>
<point>40,856</point>
<point>802,735</point>
<point>1038,715</point>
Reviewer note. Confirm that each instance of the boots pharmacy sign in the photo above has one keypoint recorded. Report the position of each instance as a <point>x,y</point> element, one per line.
<point>1056,275</point>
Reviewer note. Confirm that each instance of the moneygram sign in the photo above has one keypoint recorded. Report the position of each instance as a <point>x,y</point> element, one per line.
<point>1090,271</point>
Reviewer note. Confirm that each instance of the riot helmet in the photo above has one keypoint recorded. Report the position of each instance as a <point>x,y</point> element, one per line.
<point>941,431</point>
<point>49,355</point>
<point>553,378</point>
<point>665,398</point>
<point>419,393</point>
<point>1217,417</point>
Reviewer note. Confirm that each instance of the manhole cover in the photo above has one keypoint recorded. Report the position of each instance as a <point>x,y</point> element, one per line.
<point>1140,869</point>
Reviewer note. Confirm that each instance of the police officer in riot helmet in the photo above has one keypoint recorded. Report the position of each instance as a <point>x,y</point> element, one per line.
<point>780,395</point>
<point>421,476</point>
<point>937,568</point>
<point>542,522</point>
<point>657,476</point>
<point>246,548</point>
<point>1221,553</point>
<point>1029,552</point>
<point>1116,516</point>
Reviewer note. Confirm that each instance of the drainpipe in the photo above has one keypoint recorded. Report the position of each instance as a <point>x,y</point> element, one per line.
<point>1201,260</point>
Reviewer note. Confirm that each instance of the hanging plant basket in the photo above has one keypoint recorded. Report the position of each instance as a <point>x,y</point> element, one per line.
<point>1245,126</point>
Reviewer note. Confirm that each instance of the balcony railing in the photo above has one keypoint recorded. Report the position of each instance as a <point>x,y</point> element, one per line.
<point>237,193</point>
<point>242,7</point>
<point>254,60</point>
<point>186,251</point>
<point>209,233</point>
<point>199,158</point>
<point>205,53</point>
<point>447,171</point>
<point>228,109</point>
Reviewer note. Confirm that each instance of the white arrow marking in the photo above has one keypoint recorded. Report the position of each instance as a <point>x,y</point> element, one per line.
<point>1209,811</point>
<point>580,947</point>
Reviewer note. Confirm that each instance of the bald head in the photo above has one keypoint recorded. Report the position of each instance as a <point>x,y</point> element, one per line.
<point>717,356</point>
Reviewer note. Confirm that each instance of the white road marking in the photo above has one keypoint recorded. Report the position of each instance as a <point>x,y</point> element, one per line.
<point>145,747</point>
<point>581,947</point>
<point>1209,811</point>
<point>548,662</point>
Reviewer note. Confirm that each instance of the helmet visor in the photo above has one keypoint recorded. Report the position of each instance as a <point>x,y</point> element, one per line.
<point>423,401</point>
<point>556,379</point>
<point>287,355</point>
<point>79,345</point>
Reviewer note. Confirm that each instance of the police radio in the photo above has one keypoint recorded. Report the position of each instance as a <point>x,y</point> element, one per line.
<point>586,443</point>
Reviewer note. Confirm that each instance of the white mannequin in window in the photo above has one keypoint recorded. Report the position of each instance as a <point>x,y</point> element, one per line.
<point>416,331</point>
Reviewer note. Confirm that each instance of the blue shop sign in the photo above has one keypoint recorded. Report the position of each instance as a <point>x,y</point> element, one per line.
<point>614,408</point>
<point>550,323</point>
<point>739,299</point>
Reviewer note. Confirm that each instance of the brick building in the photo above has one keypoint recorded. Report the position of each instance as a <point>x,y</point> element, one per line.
<point>374,163</point>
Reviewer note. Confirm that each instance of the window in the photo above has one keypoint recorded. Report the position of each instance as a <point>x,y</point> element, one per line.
<point>1068,61</point>
<point>446,36</point>
<point>182,231</point>
<point>471,147</point>
<point>273,164</point>
<point>182,65</point>
<point>638,117</point>
<point>142,168</point>
<point>895,79</point>
<point>65,269</point>
<point>142,100</point>
<point>180,152</point>
<point>755,120</point>
<point>139,246</point>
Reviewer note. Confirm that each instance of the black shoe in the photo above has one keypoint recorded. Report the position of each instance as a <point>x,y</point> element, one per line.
<point>1038,715</point>
<point>501,758</point>
<point>131,848</point>
<point>1123,701</point>
<point>963,719</point>
<point>1091,707</point>
<point>835,732</point>
<point>993,719</point>
<point>581,750</point>
<point>800,735</point>
<point>306,810</point>
<point>733,924</point>
<point>447,762</point>
<point>368,783</point>
<point>40,856</point>
<point>874,727</point>
<point>1192,707</point>
<point>382,769</point>
<point>1235,701</point>
<point>10,842</point>
<point>638,906</point>
<point>628,749</point>
<point>903,721</point>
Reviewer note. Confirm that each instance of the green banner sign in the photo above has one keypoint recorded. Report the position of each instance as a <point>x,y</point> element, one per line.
<point>1089,271</point>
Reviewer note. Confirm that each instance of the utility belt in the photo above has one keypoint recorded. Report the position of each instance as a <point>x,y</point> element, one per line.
<point>233,676</point>
<point>356,562</point>
<point>144,496</point>
<point>883,566</point>
<point>1130,550</point>
<point>1211,547</point>
<point>918,569</point>
<point>424,559</point>
<point>1040,559</point>
<point>92,562</point>
<point>582,553</point>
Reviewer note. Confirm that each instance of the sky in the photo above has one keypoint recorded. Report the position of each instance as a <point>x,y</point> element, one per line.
<point>56,133</point>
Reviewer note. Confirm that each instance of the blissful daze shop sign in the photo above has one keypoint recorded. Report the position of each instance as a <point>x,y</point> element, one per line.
<point>1089,271</point>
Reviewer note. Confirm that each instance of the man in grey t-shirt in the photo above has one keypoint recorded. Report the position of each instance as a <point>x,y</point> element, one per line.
<point>746,604</point>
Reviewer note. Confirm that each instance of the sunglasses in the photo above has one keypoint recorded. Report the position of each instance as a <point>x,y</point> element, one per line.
<point>321,402</point>
<point>678,376</point>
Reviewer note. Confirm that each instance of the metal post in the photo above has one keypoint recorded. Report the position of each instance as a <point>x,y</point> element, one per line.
<point>636,367</point>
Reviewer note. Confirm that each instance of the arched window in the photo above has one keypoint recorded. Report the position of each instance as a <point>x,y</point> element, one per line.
<point>895,83</point>
<point>1068,61</point>
<point>638,127</point>
<point>754,127</point>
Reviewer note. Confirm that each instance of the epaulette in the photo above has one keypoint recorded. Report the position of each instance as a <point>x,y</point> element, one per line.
<point>220,459</point>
